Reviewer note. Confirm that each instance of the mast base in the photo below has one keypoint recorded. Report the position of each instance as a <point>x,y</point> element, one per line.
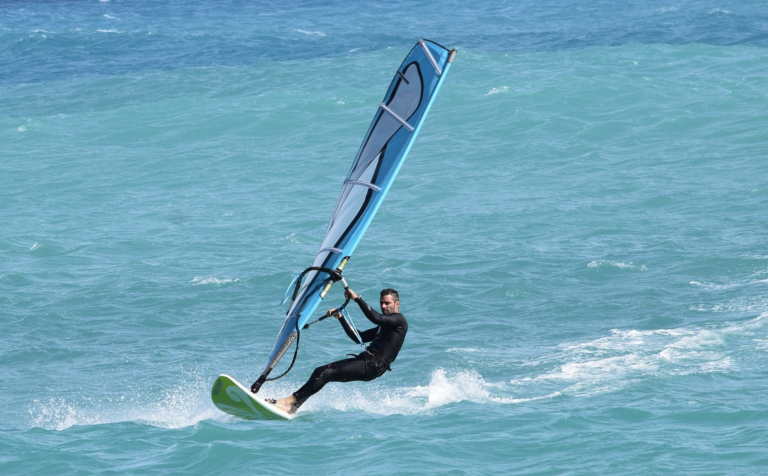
<point>258,383</point>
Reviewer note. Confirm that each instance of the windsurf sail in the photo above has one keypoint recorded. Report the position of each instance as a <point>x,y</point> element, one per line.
<point>395,125</point>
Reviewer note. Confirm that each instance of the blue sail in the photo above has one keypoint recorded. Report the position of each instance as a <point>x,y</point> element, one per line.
<point>395,125</point>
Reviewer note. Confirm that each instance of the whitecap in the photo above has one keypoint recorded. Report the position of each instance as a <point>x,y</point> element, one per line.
<point>761,344</point>
<point>311,33</point>
<point>502,89</point>
<point>627,356</point>
<point>715,287</point>
<point>298,239</point>
<point>741,305</point>
<point>198,280</point>
<point>615,264</point>
<point>702,345</point>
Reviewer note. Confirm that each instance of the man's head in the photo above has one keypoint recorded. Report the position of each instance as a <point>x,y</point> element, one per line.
<point>389,301</point>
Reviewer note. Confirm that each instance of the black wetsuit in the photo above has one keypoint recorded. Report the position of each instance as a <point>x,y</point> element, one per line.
<point>386,340</point>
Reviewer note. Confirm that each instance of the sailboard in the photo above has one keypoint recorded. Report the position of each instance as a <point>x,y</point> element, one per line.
<point>396,123</point>
<point>232,397</point>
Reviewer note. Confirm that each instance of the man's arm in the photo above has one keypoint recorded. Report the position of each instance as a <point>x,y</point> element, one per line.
<point>367,336</point>
<point>373,316</point>
<point>376,318</point>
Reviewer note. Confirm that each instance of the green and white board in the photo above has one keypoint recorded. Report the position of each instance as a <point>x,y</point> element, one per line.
<point>230,396</point>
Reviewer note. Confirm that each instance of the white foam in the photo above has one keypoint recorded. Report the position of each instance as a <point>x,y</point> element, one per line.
<point>296,239</point>
<point>181,406</point>
<point>742,305</point>
<point>754,279</point>
<point>592,373</point>
<point>628,356</point>
<point>311,33</point>
<point>702,346</point>
<point>715,287</point>
<point>463,385</point>
<point>747,327</point>
<point>615,264</point>
<point>620,340</point>
<point>200,280</point>
<point>445,387</point>
<point>502,89</point>
<point>761,344</point>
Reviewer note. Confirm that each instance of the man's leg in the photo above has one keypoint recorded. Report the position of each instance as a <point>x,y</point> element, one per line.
<point>342,371</point>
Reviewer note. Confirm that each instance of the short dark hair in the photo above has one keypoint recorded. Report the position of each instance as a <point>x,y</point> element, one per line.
<point>391,292</point>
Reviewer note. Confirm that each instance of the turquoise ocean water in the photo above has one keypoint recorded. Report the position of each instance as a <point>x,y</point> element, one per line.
<point>578,236</point>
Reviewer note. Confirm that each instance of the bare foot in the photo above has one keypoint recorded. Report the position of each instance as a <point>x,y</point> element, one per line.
<point>286,404</point>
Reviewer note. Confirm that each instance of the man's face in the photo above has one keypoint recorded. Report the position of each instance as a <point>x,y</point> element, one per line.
<point>389,305</point>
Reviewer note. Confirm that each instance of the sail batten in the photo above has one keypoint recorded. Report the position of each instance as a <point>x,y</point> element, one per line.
<point>397,118</point>
<point>364,184</point>
<point>431,58</point>
<point>394,127</point>
<point>331,250</point>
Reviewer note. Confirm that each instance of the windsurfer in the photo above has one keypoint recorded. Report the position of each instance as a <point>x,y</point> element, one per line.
<point>385,339</point>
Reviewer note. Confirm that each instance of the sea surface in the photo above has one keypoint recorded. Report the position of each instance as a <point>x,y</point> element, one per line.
<point>579,236</point>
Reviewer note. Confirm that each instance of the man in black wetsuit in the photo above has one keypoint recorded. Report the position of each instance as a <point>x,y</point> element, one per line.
<point>386,340</point>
